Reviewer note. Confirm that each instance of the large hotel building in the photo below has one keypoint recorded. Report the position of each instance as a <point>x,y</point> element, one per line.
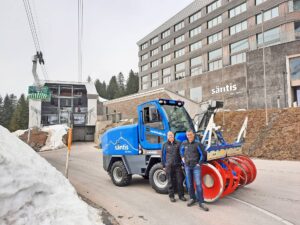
<point>244,52</point>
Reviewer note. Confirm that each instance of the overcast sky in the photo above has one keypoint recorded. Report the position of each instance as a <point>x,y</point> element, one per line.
<point>111,30</point>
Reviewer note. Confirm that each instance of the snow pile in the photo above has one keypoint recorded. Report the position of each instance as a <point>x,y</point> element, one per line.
<point>19,132</point>
<point>34,192</point>
<point>55,136</point>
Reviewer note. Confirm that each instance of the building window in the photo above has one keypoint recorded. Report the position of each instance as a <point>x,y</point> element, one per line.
<point>167,79</point>
<point>154,79</point>
<point>144,57</point>
<point>166,33</point>
<point>257,2</point>
<point>215,54</point>
<point>154,52</point>
<point>195,46</point>
<point>214,38</point>
<point>195,16</point>
<point>196,94</point>
<point>145,86</point>
<point>154,40</point>
<point>295,68</point>
<point>270,37</point>
<point>144,78</point>
<point>214,22</point>
<point>166,71</point>
<point>179,39</point>
<point>154,83</point>
<point>180,75</point>
<point>196,61</point>
<point>237,51</point>
<point>296,4</point>
<point>179,71</point>
<point>196,66</point>
<point>215,59</point>
<point>238,27</point>
<point>297,30</point>
<point>238,58</point>
<point>195,31</point>
<point>179,26</point>
<point>179,53</point>
<point>270,14</point>
<point>155,63</point>
<point>166,46</point>
<point>215,65</point>
<point>213,6</point>
<point>166,58</point>
<point>238,10</point>
<point>144,46</point>
<point>144,67</point>
<point>239,46</point>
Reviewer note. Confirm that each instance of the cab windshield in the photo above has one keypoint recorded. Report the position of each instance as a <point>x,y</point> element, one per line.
<point>179,119</point>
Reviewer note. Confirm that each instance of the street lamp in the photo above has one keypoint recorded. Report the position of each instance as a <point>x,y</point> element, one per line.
<point>264,67</point>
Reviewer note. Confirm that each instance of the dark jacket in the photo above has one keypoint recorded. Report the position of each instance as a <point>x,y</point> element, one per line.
<point>193,153</point>
<point>170,154</point>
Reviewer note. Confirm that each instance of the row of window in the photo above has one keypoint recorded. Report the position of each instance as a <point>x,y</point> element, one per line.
<point>215,21</point>
<point>237,50</point>
<point>267,15</point>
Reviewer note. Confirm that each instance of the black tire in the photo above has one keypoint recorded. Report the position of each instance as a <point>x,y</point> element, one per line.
<point>119,174</point>
<point>146,177</point>
<point>158,179</point>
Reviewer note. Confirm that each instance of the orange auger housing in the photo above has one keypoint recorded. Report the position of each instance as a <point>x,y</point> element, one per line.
<point>227,168</point>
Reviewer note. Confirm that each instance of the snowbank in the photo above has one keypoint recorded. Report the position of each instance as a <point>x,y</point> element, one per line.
<point>55,135</point>
<point>19,132</point>
<point>34,192</point>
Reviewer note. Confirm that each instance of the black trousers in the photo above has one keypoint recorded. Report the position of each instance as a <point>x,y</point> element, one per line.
<point>175,180</point>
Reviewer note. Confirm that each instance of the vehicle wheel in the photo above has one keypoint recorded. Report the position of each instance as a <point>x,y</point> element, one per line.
<point>158,179</point>
<point>119,174</point>
<point>146,177</point>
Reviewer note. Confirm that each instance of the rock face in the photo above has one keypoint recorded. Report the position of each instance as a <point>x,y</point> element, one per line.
<point>37,138</point>
<point>280,139</point>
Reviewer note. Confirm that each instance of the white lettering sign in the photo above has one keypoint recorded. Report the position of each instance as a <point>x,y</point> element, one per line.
<point>228,88</point>
<point>121,147</point>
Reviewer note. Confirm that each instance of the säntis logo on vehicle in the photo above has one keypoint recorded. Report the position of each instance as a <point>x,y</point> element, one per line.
<point>121,147</point>
<point>227,88</point>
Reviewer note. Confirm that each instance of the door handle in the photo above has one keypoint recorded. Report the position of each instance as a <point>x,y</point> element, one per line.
<point>147,129</point>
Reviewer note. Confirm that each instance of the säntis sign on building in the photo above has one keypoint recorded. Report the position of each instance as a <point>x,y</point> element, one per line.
<point>223,89</point>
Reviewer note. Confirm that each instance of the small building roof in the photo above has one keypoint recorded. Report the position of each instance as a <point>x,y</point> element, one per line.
<point>90,87</point>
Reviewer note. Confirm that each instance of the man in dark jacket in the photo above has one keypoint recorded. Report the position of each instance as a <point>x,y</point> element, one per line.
<point>171,162</point>
<point>193,155</point>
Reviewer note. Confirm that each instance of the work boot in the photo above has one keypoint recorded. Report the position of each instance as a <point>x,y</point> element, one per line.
<point>203,207</point>
<point>172,199</point>
<point>182,198</point>
<point>191,202</point>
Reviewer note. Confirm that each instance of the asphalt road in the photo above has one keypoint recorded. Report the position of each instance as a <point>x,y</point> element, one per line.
<point>273,198</point>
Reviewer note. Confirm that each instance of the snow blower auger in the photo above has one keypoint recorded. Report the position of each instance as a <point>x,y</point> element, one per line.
<point>227,168</point>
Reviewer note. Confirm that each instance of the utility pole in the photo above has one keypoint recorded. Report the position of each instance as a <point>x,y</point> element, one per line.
<point>264,67</point>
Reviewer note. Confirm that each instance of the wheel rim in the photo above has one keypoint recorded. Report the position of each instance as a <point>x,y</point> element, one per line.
<point>160,179</point>
<point>212,183</point>
<point>118,174</point>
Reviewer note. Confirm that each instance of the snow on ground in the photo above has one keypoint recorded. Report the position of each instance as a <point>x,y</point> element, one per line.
<point>55,134</point>
<point>34,192</point>
<point>19,132</point>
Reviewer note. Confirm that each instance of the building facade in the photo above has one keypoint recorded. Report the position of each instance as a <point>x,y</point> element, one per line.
<point>71,103</point>
<point>244,52</point>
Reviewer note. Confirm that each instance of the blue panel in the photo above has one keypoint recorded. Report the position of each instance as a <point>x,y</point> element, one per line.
<point>121,140</point>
